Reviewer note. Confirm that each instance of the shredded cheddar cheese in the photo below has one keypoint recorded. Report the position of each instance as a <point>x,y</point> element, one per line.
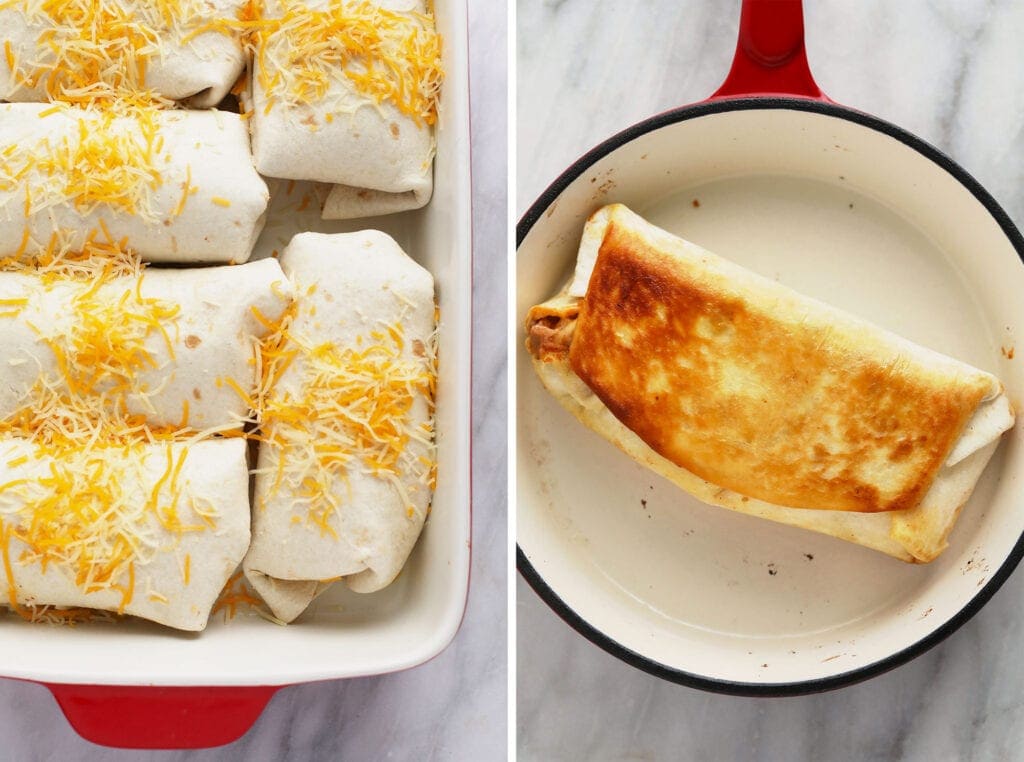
<point>237,594</point>
<point>352,409</point>
<point>86,510</point>
<point>99,51</point>
<point>100,346</point>
<point>94,156</point>
<point>57,261</point>
<point>376,55</point>
<point>64,615</point>
<point>79,499</point>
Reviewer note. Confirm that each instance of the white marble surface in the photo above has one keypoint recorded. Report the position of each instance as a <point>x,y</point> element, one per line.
<point>454,707</point>
<point>951,72</point>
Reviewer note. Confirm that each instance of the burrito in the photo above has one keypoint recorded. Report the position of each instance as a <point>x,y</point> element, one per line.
<point>148,529</point>
<point>345,469</point>
<point>173,347</point>
<point>178,186</point>
<point>358,113</point>
<point>83,52</point>
<point>755,398</point>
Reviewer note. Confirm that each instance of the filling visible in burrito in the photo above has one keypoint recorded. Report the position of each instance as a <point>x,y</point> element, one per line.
<point>753,397</point>
<point>359,113</point>
<point>346,462</point>
<point>179,186</point>
<point>110,50</point>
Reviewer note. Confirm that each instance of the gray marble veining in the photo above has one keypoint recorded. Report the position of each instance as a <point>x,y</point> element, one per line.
<point>454,707</point>
<point>950,71</point>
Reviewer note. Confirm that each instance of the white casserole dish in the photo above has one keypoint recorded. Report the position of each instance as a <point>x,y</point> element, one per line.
<point>138,685</point>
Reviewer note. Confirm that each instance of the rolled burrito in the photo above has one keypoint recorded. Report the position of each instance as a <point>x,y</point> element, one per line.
<point>345,468</point>
<point>176,348</point>
<point>359,113</point>
<point>151,530</point>
<point>180,50</point>
<point>178,186</point>
<point>755,398</point>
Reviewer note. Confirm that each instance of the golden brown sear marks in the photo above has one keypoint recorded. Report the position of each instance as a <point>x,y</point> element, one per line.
<point>747,395</point>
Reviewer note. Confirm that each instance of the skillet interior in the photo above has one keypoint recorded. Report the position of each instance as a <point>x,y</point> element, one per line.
<point>724,601</point>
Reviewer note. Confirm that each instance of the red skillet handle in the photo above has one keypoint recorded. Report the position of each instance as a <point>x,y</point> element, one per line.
<point>135,717</point>
<point>770,55</point>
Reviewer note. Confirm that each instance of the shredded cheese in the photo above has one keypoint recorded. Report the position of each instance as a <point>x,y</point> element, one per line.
<point>100,347</point>
<point>84,510</point>
<point>237,594</point>
<point>93,157</point>
<point>79,500</point>
<point>373,54</point>
<point>99,51</point>
<point>352,409</point>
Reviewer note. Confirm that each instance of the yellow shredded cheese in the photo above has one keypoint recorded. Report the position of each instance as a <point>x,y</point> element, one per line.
<point>99,51</point>
<point>100,348</point>
<point>352,410</point>
<point>80,508</point>
<point>236,594</point>
<point>83,511</point>
<point>378,55</point>
<point>103,156</point>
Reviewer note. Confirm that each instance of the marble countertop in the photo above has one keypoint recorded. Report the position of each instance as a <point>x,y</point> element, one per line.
<point>949,71</point>
<point>454,707</point>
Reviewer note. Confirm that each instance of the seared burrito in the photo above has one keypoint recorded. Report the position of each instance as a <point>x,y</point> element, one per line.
<point>358,113</point>
<point>345,469</point>
<point>177,186</point>
<point>753,397</point>
<point>182,50</point>
<point>148,529</point>
<point>174,348</point>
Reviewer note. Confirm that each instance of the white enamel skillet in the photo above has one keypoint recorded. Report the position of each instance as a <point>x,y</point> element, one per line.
<point>838,205</point>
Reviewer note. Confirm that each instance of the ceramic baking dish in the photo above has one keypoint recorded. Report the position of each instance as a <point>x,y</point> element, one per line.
<point>137,685</point>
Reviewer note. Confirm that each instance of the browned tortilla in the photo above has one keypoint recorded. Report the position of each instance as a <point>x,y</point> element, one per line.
<point>758,390</point>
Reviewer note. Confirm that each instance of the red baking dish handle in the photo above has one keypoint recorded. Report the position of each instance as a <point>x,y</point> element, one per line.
<point>144,717</point>
<point>770,55</point>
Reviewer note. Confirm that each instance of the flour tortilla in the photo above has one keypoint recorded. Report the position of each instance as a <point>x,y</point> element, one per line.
<point>198,72</point>
<point>213,337</point>
<point>362,280</point>
<point>219,222</point>
<point>379,159</point>
<point>638,284</point>
<point>214,471</point>
<point>344,202</point>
